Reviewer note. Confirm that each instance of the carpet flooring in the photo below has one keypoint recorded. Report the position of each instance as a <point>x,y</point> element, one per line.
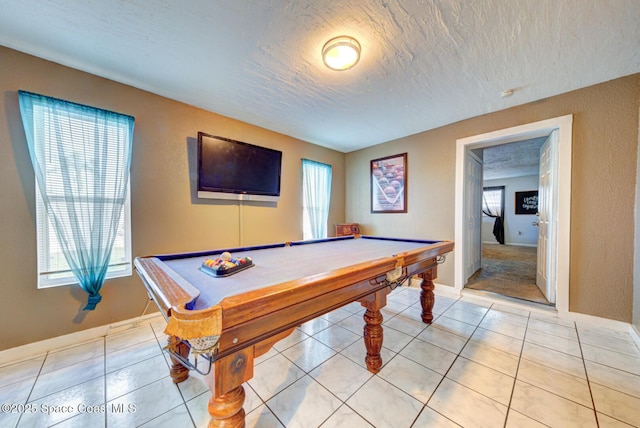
<point>509,270</point>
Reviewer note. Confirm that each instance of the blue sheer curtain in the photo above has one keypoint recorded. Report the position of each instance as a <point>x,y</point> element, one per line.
<point>81,157</point>
<point>316,184</point>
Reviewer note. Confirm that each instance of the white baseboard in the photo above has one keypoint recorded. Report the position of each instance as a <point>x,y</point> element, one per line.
<point>489,297</point>
<point>415,282</point>
<point>596,321</point>
<point>635,334</point>
<point>439,289</point>
<point>513,244</point>
<point>32,350</point>
<point>446,291</point>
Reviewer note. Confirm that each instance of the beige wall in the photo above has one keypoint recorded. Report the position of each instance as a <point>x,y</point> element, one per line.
<point>165,215</point>
<point>636,258</point>
<point>605,141</point>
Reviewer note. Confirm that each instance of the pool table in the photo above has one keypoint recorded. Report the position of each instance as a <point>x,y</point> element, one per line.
<point>243,315</point>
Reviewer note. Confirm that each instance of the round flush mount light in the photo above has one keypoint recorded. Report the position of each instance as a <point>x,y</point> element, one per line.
<point>341,53</point>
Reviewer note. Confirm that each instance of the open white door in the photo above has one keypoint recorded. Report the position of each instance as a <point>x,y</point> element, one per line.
<point>545,219</point>
<point>473,202</point>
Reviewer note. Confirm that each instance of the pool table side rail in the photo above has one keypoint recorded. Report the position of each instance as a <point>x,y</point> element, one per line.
<point>253,316</point>
<point>382,238</point>
<point>321,240</point>
<point>163,285</point>
<point>167,257</point>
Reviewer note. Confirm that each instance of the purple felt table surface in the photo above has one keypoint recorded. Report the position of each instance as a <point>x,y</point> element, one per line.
<point>277,265</point>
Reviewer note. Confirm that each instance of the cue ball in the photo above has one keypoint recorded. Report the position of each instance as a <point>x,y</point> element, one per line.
<point>225,256</point>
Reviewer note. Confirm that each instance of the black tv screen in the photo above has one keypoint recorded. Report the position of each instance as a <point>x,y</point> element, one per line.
<point>230,169</point>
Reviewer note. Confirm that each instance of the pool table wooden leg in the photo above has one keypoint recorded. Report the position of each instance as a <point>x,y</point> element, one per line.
<point>227,393</point>
<point>427,298</point>
<point>373,334</point>
<point>226,411</point>
<point>178,372</point>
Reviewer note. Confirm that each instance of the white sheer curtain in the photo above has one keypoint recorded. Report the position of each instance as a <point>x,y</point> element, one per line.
<point>316,198</point>
<point>492,202</point>
<point>493,206</point>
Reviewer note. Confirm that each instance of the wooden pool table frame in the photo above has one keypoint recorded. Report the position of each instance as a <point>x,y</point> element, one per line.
<point>252,322</point>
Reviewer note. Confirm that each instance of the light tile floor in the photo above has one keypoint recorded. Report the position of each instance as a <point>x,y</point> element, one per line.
<point>477,365</point>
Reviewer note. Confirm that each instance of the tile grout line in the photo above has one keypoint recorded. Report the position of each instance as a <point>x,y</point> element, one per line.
<point>104,377</point>
<point>33,386</point>
<point>515,376</point>
<point>586,373</point>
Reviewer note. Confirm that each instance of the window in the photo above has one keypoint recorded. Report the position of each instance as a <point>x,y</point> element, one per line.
<point>493,207</point>
<point>316,185</point>
<point>81,158</point>
<point>53,269</point>
<point>493,201</point>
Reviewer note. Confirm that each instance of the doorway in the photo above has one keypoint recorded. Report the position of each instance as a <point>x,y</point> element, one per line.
<point>510,222</point>
<point>467,230</point>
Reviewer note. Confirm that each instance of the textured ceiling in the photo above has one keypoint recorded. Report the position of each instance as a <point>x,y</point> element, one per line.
<point>425,63</point>
<point>511,160</point>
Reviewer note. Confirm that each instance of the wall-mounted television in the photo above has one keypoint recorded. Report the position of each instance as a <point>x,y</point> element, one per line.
<point>230,169</point>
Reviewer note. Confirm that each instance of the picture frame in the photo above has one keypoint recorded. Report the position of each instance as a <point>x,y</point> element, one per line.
<point>389,184</point>
<point>526,202</point>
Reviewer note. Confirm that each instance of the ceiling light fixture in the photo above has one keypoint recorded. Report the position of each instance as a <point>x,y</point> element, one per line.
<point>341,53</point>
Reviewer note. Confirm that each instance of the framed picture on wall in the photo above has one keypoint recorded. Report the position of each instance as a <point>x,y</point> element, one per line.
<point>527,202</point>
<point>389,184</point>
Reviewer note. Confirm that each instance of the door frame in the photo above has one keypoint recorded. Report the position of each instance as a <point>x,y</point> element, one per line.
<point>562,172</point>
